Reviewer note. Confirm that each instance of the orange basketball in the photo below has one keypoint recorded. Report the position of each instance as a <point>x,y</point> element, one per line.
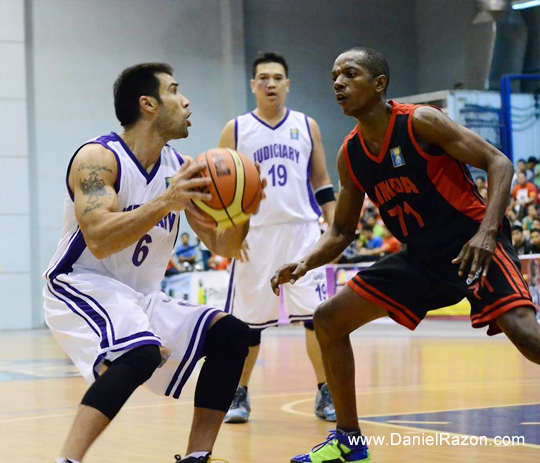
<point>235,187</point>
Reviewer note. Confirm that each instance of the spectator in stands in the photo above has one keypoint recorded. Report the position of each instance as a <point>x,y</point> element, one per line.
<point>535,224</point>
<point>218,262</point>
<point>523,195</point>
<point>532,213</point>
<point>205,254</point>
<point>532,162</point>
<point>185,253</point>
<point>480,182</point>
<point>484,193</point>
<point>521,245</point>
<point>389,245</point>
<point>521,167</point>
<point>535,241</point>
<point>376,225</point>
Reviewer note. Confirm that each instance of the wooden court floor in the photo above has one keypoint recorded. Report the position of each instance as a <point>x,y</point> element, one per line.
<point>444,378</point>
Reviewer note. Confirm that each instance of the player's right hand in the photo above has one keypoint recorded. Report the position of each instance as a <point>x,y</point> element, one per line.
<point>287,273</point>
<point>184,185</point>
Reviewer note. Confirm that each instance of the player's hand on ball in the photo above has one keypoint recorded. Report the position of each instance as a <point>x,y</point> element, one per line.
<point>184,185</point>
<point>287,273</point>
<point>264,183</point>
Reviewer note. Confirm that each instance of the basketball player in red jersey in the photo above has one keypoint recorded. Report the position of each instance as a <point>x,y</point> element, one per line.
<point>411,161</point>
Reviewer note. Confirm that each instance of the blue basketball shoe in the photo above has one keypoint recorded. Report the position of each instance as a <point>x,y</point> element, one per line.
<point>336,449</point>
<point>240,407</point>
<point>324,405</point>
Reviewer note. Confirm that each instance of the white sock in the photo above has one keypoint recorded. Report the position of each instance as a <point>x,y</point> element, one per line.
<point>65,460</point>
<point>193,454</point>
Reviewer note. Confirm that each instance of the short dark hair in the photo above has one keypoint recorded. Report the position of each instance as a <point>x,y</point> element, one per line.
<point>367,228</point>
<point>522,160</point>
<point>133,83</point>
<point>517,227</point>
<point>269,57</point>
<point>375,62</point>
<point>535,230</point>
<point>533,160</point>
<point>184,234</point>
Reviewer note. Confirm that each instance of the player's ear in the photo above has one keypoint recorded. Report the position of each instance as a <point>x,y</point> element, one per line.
<point>288,85</point>
<point>380,83</point>
<point>252,83</point>
<point>148,104</point>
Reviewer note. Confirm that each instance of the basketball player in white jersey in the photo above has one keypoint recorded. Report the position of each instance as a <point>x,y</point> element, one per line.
<point>287,145</point>
<point>102,298</point>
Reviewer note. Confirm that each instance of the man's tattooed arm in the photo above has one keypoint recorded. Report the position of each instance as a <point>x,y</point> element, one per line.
<point>93,187</point>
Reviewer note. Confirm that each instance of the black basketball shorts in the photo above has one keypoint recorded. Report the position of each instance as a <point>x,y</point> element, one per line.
<point>408,286</point>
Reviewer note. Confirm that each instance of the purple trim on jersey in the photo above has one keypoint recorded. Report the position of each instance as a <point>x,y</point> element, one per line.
<point>312,200</point>
<point>135,336</point>
<point>269,126</point>
<point>51,290</point>
<point>188,352</point>
<point>89,311</point>
<point>180,160</point>
<point>74,251</point>
<point>96,303</point>
<point>236,133</point>
<point>148,176</point>
<point>147,342</point>
<point>103,140</point>
<point>197,355</point>
<point>228,304</point>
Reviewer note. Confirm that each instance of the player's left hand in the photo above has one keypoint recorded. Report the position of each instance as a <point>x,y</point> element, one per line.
<point>479,249</point>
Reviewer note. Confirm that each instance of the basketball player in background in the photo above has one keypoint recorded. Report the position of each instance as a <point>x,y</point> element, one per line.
<point>411,161</point>
<point>287,145</point>
<point>102,298</point>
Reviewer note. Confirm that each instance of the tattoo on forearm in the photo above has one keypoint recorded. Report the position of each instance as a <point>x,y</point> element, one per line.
<point>93,187</point>
<point>89,209</point>
<point>93,167</point>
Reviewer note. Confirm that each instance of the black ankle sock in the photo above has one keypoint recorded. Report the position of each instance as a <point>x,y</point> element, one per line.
<point>246,388</point>
<point>320,385</point>
<point>349,431</point>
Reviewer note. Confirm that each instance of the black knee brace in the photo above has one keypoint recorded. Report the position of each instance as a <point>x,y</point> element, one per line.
<point>309,326</point>
<point>112,389</point>
<point>225,349</point>
<point>254,337</point>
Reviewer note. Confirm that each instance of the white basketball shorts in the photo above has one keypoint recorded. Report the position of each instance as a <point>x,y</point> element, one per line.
<point>250,296</point>
<point>94,318</point>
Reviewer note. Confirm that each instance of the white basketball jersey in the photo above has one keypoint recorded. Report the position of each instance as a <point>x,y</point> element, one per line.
<point>142,265</point>
<point>284,154</point>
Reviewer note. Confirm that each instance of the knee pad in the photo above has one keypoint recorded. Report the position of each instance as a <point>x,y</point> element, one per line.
<point>227,336</point>
<point>111,390</point>
<point>254,337</point>
<point>309,326</point>
<point>144,360</point>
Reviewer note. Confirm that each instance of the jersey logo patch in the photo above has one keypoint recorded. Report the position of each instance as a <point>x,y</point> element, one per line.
<point>167,181</point>
<point>397,157</point>
<point>294,134</point>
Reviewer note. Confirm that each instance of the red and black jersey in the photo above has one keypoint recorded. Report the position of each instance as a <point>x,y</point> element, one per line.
<point>427,199</point>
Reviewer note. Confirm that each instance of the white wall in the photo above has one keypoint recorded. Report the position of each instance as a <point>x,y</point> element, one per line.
<point>15,212</point>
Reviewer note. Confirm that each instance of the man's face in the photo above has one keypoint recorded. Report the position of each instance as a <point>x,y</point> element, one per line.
<point>354,87</point>
<point>517,237</point>
<point>535,239</point>
<point>270,84</point>
<point>172,120</point>
<point>185,240</point>
<point>521,179</point>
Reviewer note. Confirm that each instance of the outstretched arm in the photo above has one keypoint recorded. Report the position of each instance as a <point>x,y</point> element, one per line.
<point>338,236</point>
<point>432,127</point>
